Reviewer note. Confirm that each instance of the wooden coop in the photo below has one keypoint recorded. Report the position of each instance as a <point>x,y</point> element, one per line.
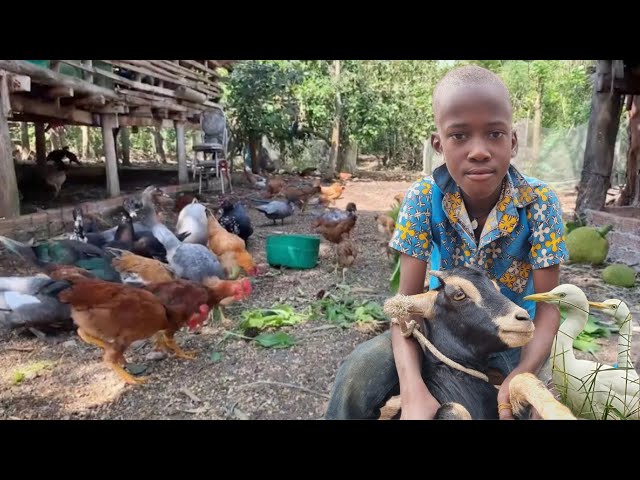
<point>111,94</point>
<point>616,86</point>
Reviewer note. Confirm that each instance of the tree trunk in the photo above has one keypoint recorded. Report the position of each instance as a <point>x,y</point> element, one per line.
<point>125,143</point>
<point>116,131</point>
<point>159,141</point>
<point>537,124</point>
<point>601,139</point>
<point>630,194</point>
<point>255,145</point>
<point>85,142</point>
<point>41,144</point>
<point>9,199</point>
<point>335,133</point>
<point>54,138</point>
<point>26,145</point>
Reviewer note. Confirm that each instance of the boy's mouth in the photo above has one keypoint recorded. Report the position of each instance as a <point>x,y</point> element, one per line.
<point>480,174</point>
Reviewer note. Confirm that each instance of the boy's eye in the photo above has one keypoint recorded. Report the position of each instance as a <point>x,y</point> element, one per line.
<point>457,136</point>
<point>496,135</point>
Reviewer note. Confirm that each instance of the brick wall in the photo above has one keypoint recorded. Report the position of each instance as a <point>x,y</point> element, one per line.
<point>624,239</point>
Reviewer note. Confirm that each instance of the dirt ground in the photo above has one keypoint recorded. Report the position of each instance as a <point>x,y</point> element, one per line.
<point>232,378</point>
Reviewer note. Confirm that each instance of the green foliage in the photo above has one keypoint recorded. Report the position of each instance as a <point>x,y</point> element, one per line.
<point>275,317</point>
<point>344,310</point>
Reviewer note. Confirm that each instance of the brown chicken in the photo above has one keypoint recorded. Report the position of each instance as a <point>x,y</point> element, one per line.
<point>275,186</point>
<point>232,247</point>
<point>329,195</point>
<point>301,195</point>
<point>386,226</point>
<point>331,225</point>
<point>347,253</point>
<point>134,268</point>
<point>113,316</point>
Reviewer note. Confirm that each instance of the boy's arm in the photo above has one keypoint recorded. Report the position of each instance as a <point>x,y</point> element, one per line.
<point>416,401</point>
<point>547,322</point>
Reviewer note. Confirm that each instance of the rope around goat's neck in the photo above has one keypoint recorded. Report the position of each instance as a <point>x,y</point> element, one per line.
<point>412,328</point>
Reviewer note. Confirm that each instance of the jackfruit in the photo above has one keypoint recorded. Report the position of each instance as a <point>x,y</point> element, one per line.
<point>588,245</point>
<point>619,274</point>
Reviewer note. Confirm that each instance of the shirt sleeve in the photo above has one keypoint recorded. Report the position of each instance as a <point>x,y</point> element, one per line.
<point>412,234</point>
<point>547,230</point>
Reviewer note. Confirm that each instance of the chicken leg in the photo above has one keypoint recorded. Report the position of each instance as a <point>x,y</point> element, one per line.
<point>165,341</point>
<point>114,359</point>
<point>224,320</point>
<point>91,339</point>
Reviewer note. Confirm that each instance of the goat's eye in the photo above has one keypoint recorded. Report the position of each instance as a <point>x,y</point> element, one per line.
<point>459,296</point>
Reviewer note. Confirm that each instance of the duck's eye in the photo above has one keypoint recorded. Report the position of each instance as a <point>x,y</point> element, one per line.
<point>459,296</point>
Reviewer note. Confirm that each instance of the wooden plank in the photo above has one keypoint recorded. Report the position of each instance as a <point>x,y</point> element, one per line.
<point>142,98</point>
<point>36,107</point>
<point>32,118</point>
<point>109,122</point>
<point>125,81</point>
<point>181,150</point>
<point>200,66</point>
<point>48,77</point>
<point>139,121</point>
<point>179,69</point>
<point>134,67</point>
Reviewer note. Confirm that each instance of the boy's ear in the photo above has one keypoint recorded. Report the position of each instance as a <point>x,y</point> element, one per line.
<point>436,144</point>
<point>514,143</point>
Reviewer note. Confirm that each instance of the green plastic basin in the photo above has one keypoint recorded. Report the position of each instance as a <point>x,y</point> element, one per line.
<point>293,251</point>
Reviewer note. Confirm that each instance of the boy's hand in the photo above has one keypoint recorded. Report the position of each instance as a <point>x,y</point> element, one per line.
<point>503,397</point>
<point>419,404</point>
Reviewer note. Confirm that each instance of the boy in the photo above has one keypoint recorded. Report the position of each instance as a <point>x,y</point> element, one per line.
<point>477,210</point>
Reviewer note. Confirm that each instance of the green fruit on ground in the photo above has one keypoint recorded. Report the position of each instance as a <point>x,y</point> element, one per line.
<point>588,245</point>
<point>620,275</point>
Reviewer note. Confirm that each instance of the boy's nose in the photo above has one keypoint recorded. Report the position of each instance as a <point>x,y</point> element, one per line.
<point>479,152</point>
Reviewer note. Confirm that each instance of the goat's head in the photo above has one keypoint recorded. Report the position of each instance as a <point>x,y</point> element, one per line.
<point>471,306</point>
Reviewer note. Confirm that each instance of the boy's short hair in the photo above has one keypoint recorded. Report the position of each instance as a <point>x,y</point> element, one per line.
<point>466,76</point>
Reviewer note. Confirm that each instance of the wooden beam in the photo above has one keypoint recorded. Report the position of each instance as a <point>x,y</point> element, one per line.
<point>181,150</point>
<point>60,92</point>
<point>29,105</point>
<point>93,101</point>
<point>48,77</point>
<point>190,95</point>
<point>9,198</point>
<point>145,68</point>
<point>5,96</point>
<point>109,122</point>
<point>138,121</point>
<point>179,69</point>
<point>19,83</point>
<point>200,66</point>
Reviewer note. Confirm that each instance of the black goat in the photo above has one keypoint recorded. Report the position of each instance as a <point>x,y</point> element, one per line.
<point>466,319</point>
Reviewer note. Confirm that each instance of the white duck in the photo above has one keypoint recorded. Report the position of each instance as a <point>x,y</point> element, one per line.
<point>591,389</point>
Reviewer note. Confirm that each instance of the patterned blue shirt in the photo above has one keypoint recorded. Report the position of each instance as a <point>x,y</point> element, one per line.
<point>524,231</point>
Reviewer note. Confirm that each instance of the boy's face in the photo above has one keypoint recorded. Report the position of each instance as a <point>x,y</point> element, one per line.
<point>475,136</point>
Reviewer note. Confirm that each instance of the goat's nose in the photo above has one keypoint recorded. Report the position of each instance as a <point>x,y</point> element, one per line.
<point>523,315</point>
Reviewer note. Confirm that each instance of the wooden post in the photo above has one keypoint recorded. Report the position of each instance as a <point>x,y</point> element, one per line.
<point>601,139</point>
<point>109,122</point>
<point>630,194</point>
<point>41,144</point>
<point>9,199</point>
<point>24,137</point>
<point>181,150</point>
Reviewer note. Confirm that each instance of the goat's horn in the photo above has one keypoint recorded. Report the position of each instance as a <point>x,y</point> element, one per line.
<point>402,306</point>
<point>437,273</point>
